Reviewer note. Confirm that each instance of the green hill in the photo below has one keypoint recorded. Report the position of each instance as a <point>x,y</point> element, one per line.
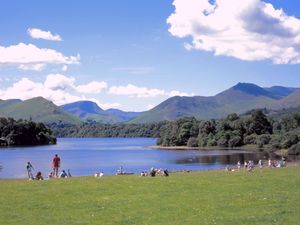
<point>38,109</point>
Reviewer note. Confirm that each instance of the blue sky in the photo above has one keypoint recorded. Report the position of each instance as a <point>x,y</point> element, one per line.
<point>126,55</point>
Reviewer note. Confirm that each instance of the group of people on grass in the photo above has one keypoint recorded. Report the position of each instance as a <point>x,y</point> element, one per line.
<point>56,162</point>
<point>153,172</point>
<point>249,166</point>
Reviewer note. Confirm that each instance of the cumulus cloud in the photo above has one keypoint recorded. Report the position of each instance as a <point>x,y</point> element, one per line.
<point>248,29</point>
<point>59,82</point>
<point>135,91</point>
<point>143,92</point>
<point>40,34</point>
<point>29,56</point>
<point>36,67</point>
<point>178,93</point>
<point>57,88</point>
<point>92,87</point>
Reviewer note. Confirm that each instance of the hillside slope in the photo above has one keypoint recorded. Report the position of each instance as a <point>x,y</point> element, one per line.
<point>38,109</point>
<point>237,99</point>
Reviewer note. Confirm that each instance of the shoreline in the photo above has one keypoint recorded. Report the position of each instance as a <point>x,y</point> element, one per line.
<point>235,169</point>
<point>244,148</point>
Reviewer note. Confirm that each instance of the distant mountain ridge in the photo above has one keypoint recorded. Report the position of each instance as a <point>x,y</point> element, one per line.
<point>88,110</point>
<point>238,99</point>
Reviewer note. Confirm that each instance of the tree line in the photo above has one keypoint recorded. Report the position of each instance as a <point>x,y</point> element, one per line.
<point>23,132</point>
<point>235,131</point>
<point>254,128</point>
<point>97,129</point>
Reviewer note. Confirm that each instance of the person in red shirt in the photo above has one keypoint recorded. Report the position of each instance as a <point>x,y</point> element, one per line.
<point>56,164</point>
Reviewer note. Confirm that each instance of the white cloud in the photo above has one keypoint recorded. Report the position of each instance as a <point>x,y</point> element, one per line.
<point>248,29</point>
<point>40,34</point>
<point>59,82</point>
<point>135,91</point>
<point>178,93</point>
<point>105,106</point>
<point>143,92</point>
<point>36,67</point>
<point>150,106</point>
<point>29,56</point>
<point>92,87</point>
<point>64,68</point>
<point>57,88</point>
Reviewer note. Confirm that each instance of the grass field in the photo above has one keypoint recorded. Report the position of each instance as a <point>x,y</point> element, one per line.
<point>269,196</point>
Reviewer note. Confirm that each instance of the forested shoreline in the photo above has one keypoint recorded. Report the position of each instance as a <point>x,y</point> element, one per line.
<point>98,129</point>
<point>270,133</point>
<point>255,129</point>
<point>24,133</point>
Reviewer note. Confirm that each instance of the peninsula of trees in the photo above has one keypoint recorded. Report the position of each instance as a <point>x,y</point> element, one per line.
<point>23,132</point>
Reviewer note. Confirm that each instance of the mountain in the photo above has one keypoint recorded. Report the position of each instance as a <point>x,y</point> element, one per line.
<point>237,99</point>
<point>6,103</point>
<point>280,92</point>
<point>38,109</point>
<point>88,110</point>
<point>290,101</point>
<point>123,116</point>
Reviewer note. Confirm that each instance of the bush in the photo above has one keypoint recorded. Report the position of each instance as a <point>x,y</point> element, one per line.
<point>212,142</point>
<point>264,139</point>
<point>202,141</point>
<point>192,142</point>
<point>235,142</point>
<point>222,142</point>
<point>250,139</point>
<point>275,142</point>
<point>294,150</point>
<point>290,140</point>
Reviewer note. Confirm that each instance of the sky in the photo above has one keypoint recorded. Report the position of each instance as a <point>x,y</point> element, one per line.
<point>134,54</point>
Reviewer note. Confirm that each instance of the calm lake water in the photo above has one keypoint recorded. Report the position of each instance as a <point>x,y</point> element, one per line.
<point>85,156</point>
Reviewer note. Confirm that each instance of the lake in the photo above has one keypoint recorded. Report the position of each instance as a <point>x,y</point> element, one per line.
<point>85,156</point>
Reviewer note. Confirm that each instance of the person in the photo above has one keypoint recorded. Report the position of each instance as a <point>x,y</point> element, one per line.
<point>260,163</point>
<point>239,165</point>
<point>29,169</point>
<point>270,163</point>
<point>63,174</point>
<point>166,172</point>
<point>51,175</point>
<point>69,173</point>
<point>39,176</point>
<point>56,164</point>
<point>98,174</point>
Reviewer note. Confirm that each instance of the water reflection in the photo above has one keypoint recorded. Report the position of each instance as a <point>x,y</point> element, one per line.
<point>231,158</point>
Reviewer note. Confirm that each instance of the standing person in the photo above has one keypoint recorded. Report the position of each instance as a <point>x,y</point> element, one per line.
<point>260,163</point>
<point>56,165</point>
<point>239,165</point>
<point>29,169</point>
<point>270,163</point>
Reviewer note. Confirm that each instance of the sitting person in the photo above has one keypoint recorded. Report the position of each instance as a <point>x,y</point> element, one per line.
<point>144,174</point>
<point>51,175</point>
<point>39,176</point>
<point>152,172</point>
<point>99,174</point>
<point>69,173</point>
<point>63,174</point>
<point>166,172</point>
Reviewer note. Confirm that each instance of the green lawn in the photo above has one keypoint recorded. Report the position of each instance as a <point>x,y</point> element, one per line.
<point>270,196</point>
